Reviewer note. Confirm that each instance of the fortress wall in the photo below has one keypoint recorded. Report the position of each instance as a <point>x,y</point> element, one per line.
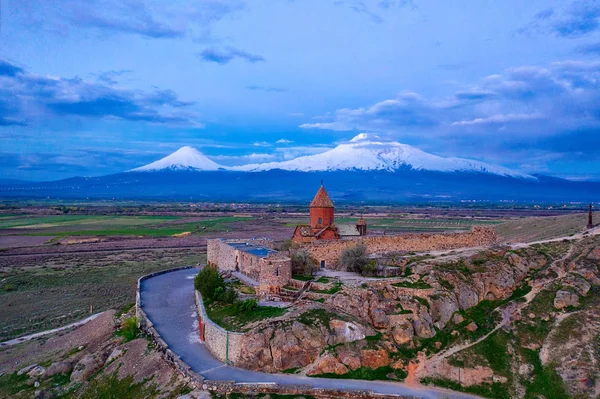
<point>330,251</point>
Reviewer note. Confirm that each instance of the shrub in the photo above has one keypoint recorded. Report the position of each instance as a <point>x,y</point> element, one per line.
<point>247,305</point>
<point>303,263</point>
<point>129,329</point>
<point>354,259</point>
<point>369,269</point>
<point>208,281</point>
<point>229,296</point>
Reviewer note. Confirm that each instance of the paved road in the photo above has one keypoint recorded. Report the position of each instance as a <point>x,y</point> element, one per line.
<point>169,303</point>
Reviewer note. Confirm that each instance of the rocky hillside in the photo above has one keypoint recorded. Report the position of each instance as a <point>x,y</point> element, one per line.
<point>501,323</point>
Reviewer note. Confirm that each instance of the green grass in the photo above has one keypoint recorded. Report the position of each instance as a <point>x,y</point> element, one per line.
<point>420,285</point>
<point>128,329</point>
<point>228,317</point>
<point>369,374</point>
<point>317,316</point>
<point>323,280</point>
<point>302,278</point>
<point>546,383</point>
<point>11,384</point>
<point>336,288</point>
<point>150,226</point>
<point>111,387</point>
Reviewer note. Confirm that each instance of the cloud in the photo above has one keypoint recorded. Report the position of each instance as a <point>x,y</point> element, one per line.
<point>283,141</point>
<point>146,18</point>
<point>244,159</point>
<point>580,18</point>
<point>495,112</point>
<point>591,48</point>
<point>408,109</point>
<point>495,119</point>
<point>26,97</point>
<point>261,144</point>
<point>108,77</point>
<point>267,89</point>
<point>577,18</point>
<point>225,55</point>
<point>361,7</point>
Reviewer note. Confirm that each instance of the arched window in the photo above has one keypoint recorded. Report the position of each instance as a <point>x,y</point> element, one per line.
<point>320,220</point>
<point>277,272</point>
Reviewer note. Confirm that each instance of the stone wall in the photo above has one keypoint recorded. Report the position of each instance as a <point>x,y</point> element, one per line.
<point>330,251</point>
<point>271,272</point>
<point>275,272</point>
<point>224,345</point>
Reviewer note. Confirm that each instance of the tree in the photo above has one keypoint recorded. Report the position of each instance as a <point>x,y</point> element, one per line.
<point>208,282</point>
<point>303,264</point>
<point>354,259</point>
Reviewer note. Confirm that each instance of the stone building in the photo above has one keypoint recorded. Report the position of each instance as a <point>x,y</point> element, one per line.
<point>254,262</point>
<point>322,222</point>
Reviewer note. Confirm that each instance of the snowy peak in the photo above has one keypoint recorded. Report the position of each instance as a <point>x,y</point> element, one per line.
<point>185,158</point>
<point>367,152</point>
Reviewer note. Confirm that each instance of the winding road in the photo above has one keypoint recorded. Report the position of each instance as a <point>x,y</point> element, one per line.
<point>168,300</point>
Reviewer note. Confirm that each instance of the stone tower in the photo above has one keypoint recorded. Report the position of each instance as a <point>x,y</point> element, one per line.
<point>321,210</point>
<point>590,219</point>
<point>361,226</point>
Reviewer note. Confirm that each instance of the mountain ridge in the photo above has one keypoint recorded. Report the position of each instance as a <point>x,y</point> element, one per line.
<point>363,152</point>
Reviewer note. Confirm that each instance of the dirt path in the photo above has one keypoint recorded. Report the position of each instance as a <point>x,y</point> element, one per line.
<point>54,330</point>
<point>508,311</point>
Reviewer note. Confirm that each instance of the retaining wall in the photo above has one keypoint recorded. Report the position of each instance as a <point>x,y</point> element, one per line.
<point>216,336</point>
<point>224,345</point>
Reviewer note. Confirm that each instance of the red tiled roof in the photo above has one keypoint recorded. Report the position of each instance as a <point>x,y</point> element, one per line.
<point>321,200</point>
<point>305,230</point>
<point>361,222</point>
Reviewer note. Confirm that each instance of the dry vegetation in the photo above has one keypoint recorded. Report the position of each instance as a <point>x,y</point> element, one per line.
<point>44,292</point>
<point>541,228</point>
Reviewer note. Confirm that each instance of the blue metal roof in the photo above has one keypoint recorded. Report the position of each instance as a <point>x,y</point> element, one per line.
<point>253,249</point>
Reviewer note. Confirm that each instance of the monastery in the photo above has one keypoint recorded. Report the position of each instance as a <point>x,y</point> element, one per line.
<point>257,263</point>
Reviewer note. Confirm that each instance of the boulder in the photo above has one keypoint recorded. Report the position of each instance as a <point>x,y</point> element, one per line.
<point>403,333</point>
<point>344,331</point>
<point>457,318</point>
<point>55,368</point>
<point>471,327</point>
<point>350,359</point>
<point>36,372</point>
<point>379,319</point>
<point>328,364</point>
<point>565,298</point>
<point>87,366</point>
<point>442,310</point>
<point>374,358</point>
<point>423,326</point>
<point>27,369</point>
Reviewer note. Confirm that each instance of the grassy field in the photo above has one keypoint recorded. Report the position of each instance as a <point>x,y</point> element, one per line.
<point>541,228</point>
<point>56,290</point>
<point>75,225</point>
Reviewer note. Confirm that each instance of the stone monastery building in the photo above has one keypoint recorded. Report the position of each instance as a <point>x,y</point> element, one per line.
<point>256,263</point>
<point>322,222</point>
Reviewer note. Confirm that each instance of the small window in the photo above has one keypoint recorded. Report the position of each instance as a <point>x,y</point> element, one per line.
<point>330,220</point>
<point>320,221</point>
<point>277,272</point>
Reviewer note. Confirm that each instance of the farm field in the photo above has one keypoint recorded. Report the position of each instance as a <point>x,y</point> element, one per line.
<point>44,292</point>
<point>92,225</point>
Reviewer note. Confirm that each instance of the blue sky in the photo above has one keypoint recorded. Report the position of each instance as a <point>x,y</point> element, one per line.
<point>96,87</point>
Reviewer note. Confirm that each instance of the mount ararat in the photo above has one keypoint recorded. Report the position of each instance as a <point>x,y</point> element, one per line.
<point>365,169</point>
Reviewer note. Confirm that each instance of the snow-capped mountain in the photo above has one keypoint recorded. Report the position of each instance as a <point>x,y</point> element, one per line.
<point>369,153</point>
<point>185,159</point>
